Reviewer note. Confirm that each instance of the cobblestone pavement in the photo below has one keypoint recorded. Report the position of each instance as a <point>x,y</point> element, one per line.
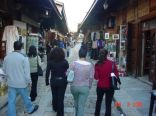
<point>44,99</point>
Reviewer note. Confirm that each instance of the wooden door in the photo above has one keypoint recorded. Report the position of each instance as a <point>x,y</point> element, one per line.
<point>152,70</point>
<point>132,48</point>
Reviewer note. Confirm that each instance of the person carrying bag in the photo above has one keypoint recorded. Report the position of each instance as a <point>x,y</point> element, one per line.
<point>70,76</point>
<point>115,81</point>
<point>34,61</point>
<point>105,73</point>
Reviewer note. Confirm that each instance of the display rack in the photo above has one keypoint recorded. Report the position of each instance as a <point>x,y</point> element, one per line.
<point>123,49</point>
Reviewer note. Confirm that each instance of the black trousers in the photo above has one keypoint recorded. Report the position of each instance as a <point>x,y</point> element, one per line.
<point>67,53</point>
<point>34,79</point>
<point>108,100</point>
<point>58,93</point>
<point>153,98</point>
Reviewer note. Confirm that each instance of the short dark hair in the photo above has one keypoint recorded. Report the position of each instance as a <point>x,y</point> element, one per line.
<point>82,52</point>
<point>18,45</point>
<point>32,51</point>
<point>57,54</point>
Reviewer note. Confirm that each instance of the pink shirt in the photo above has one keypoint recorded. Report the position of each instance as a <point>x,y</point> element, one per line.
<point>83,73</point>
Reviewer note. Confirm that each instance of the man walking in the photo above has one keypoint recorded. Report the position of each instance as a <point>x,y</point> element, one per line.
<point>16,66</point>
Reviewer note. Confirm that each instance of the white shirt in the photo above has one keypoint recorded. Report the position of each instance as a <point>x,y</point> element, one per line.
<point>10,35</point>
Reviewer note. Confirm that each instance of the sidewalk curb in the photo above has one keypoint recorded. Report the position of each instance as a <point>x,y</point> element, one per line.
<point>144,81</point>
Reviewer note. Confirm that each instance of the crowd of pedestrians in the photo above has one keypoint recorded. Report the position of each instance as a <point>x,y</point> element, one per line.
<point>22,73</point>
<point>84,73</point>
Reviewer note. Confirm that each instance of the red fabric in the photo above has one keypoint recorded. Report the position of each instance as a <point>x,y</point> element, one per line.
<point>102,73</point>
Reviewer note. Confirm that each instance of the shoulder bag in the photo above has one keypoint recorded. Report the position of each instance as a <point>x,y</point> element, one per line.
<point>70,76</point>
<point>115,81</point>
<point>39,69</point>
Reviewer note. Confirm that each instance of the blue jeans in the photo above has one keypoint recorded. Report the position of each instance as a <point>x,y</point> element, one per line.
<point>80,95</point>
<point>12,93</point>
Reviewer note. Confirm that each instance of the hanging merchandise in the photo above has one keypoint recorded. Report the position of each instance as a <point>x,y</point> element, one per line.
<point>97,35</point>
<point>92,35</point>
<point>22,30</point>
<point>32,39</point>
<point>101,35</point>
<point>123,50</point>
<point>10,35</point>
<point>21,27</point>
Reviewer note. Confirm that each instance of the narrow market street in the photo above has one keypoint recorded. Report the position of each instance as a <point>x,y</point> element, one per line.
<point>124,31</point>
<point>44,98</point>
<point>132,91</point>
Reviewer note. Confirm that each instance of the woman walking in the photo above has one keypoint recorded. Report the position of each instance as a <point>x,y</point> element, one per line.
<point>103,69</point>
<point>83,77</point>
<point>57,66</point>
<point>34,60</point>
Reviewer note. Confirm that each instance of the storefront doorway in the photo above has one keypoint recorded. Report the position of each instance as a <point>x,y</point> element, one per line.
<point>148,54</point>
<point>146,48</point>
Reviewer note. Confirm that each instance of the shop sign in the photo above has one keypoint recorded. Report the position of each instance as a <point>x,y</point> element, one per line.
<point>115,36</point>
<point>106,35</point>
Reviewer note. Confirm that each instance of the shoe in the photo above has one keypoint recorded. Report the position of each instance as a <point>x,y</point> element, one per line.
<point>54,109</point>
<point>33,99</point>
<point>34,110</point>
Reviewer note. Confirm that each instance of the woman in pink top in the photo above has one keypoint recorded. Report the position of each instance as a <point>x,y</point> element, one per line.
<point>84,73</point>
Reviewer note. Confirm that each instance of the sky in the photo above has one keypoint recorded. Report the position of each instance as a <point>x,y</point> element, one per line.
<point>75,12</point>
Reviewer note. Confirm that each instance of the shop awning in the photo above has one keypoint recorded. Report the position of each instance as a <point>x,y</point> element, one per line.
<point>97,13</point>
<point>42,4</point>
<point>37,9</point>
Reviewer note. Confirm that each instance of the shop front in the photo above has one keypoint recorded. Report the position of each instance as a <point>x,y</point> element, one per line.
<point>4,21</point>
<point>148,61</point>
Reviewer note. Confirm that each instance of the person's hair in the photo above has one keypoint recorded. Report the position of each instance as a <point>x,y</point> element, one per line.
<point>82,52</point>
<point>18,45</point>
<point>111,55</point>
<point>102,56</point>
<point>57,54</point>
<point>32,51</point>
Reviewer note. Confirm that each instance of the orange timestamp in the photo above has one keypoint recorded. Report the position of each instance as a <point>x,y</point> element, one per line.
<point>136,104</point>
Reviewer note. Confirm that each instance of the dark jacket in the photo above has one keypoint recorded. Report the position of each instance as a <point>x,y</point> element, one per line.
<point>57,69</point>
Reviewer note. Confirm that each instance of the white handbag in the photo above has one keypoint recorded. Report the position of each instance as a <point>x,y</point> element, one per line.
<point>70,76</point>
